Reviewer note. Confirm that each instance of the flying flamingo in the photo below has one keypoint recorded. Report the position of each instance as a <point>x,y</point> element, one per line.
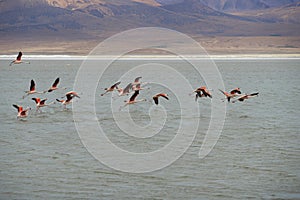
<point>245,96</point>
<point>31,89</point>
<point>18,60</point>
<point>54,86</point>
<point>137,80</point>
<point>125,91</point>
<point>137,87</point>
<point>202,92</point>
<point>155,97</point>
<point>233,93</point>
<point>236,91</point>
<point>40,103</point>
<point>73,94</point>
<point>132,99</point>
<point>111,88</point>
<point>21,113</point>
<point>70,95</point>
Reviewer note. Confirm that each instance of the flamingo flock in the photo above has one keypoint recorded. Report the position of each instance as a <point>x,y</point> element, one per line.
<point>199,92</point>
<point>41,102</point>
<point>134,87</point>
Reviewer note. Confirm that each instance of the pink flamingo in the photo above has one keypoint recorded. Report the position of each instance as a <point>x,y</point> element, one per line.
<point>155,97</point>
<point>40,103</point>
<point>111,88</point>
<point>31,89</point>
<point>132,99</point>
<point>21,113</point>
<point>246,96</point>
<point>125,91</point>
<point>54,86</point>
<point>69,95</point>
<point>202,92</point>
<point>18,60</point>
<point>233,93</point>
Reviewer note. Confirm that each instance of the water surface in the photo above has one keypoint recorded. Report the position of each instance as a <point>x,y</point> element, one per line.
<point>257,155</point>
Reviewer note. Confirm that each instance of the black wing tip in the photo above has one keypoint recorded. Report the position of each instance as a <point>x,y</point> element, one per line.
<point>155,100</point>
<point>165,97</point>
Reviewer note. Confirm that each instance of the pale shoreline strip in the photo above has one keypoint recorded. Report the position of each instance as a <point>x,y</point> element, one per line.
<point>155,57</point>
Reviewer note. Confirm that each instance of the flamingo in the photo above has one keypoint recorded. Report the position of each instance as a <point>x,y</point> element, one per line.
<point>236,91</point>
<point>70,95</point>
<point>132,99</point>
<point>21,113</point>
<point>245,96</point>
<point>111,88</point>
<point>202,92</point>
<point>40,103</point>
<point>31,89</point>
<point>136,80</point>
<point>54,86</point>
<point>125,91</point>
<point>18,60</point>
<point>137,87</point>
<point>155,97</point>
<point>233,93</point>
<point>73,94</point>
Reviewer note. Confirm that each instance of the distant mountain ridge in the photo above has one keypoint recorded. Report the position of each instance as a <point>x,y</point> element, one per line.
<point>236,5</point>
<point>90,19</point>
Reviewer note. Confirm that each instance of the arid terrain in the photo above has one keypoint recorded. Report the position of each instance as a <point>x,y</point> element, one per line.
<point>220,26</point>
<point>213,45</point>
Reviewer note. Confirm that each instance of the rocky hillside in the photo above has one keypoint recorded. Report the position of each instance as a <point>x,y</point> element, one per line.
<point>91,19</point>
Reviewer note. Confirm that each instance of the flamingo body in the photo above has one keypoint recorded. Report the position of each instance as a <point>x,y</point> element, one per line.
<point>18,60</point>
<point>155,97</point>
<point>246,96</point>
<point>22,113</point>
<point>111,88</point>
<point>31,89</point>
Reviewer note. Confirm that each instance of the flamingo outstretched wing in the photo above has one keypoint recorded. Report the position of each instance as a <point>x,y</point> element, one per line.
<point>132,98</point>
<point>19,56</point>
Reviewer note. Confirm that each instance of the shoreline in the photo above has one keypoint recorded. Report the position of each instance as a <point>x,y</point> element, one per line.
<point>158,57</point>
<point>216,46</point>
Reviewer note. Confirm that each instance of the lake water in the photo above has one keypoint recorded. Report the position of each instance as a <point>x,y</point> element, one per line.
<point>256,156</point>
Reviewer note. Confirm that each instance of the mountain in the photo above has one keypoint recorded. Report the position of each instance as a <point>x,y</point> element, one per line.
<point>279,3</point>
<point>70,21</point>
<point>234,5</point>
<point>285,14</point>
<point>237,5</point>
<point>94,18</point>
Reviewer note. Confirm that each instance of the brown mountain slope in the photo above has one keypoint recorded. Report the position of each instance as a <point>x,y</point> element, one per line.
<point>74,24</point>
<point>285,14</point>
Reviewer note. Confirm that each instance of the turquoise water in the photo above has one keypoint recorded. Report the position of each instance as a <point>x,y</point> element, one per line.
<point>256,156</point>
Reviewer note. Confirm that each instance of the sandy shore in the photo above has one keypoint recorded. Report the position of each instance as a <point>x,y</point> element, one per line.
<point>215,46</point>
